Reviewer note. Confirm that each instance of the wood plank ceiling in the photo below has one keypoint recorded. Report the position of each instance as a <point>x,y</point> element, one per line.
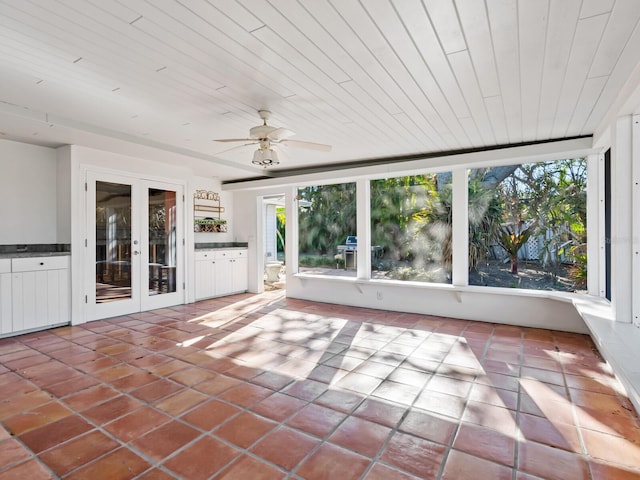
<point>373,78</point>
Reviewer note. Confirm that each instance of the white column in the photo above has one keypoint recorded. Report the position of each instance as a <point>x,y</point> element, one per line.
<point>460,229</point>
<point>635,221</point>
<point>363,222</point>
<point>622,219</point>
<point>291,229</point>
<point>595,225</point>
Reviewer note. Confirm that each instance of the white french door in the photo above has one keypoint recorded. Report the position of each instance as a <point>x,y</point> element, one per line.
<point>134,248</point>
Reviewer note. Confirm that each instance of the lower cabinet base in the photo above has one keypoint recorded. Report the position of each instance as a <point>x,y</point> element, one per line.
<point>35,329</point>
<point>220,295</point>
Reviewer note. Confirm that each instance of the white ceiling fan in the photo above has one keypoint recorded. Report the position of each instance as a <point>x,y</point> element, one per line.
<point>268,137</point>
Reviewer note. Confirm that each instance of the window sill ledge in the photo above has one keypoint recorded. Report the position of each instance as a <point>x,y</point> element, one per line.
<point>617,342</point>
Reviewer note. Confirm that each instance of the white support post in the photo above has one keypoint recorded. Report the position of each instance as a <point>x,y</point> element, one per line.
<point>621,221</point>
<point>460,230</point>
<point>291,229</point>
<point>635,221</point>
<point>602,233</point>
<point>595,227</point>
<point>363,207</point>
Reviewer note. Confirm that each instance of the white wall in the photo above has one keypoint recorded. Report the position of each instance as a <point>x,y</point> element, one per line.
<point>28,194</point>
<point>527,309</point>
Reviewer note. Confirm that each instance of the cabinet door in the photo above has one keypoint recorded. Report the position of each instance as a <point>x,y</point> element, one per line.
<point>223,273</point>
<point>39,299</point>
<point>205,280</point>
<point>5,303</point>
<point>240,274</point>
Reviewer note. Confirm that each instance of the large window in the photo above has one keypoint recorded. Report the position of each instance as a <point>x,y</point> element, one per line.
<point>527,226</point>
<point>411,228</point>
<point>327,230</point>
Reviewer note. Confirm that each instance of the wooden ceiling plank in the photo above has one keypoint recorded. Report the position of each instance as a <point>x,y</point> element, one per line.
<point>591,8</point>
<point>248,87</point>
<point>463,69</point>
<point>409,92</point>
<point>586,102</point>
<point>207,43</point>
<point>470,126</point>
<point>625,16</point>
<point>265,61</point>
<point>585,43</point>
<point>625,65</point>
<point>387,126</point>
<point>434,104</point>
<point>563,21</point>
<point>292,29</point>
<point>356,50</point>
<point>445,21</point>
<point>238,13</point>
<point>532,21</point>
<point>63,37</point>
<point>475,27</point>
<point>428,44</point>
<point>503,20</point>
<point>114,9</point>
<point>495,110</point>
<point>361,81</point>
<point>332,30</point>
<point>130,35</point>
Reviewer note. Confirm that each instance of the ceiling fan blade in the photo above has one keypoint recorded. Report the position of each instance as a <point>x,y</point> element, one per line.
<point>234,139</point>
<point>309,145</point>
<point>280,134</point>
<point>237,147</point>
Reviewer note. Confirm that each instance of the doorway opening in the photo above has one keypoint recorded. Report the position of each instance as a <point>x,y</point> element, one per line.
<point>274,221</point>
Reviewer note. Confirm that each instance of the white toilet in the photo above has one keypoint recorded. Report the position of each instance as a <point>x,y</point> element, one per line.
<point>272,269</point>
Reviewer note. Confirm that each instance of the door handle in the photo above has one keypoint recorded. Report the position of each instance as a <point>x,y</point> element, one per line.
<point>135,252</point>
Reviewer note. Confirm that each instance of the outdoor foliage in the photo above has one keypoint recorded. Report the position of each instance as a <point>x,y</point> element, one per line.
<point>328,219</point>
<point>411,220</point>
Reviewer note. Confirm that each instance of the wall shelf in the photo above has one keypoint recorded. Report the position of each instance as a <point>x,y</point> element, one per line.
<point>207,212</point>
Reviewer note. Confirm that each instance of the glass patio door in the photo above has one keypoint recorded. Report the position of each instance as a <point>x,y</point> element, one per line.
<point>134,249</point>
<point>161,246</point>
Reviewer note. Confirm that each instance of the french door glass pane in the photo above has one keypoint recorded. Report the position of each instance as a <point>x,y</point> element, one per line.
<point>113,242</point>
<point>162,241</point>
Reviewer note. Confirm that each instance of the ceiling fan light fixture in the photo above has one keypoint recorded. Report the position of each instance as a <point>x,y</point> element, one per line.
<point>265,157</point>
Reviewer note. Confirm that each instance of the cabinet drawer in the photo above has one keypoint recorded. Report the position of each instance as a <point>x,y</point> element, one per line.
<point>231,253</point>
<point>31,264</point>
<point>5,265</point>
<point>206,255</point>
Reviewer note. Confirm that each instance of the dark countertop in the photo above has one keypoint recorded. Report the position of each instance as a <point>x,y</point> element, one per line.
<point>220,245</point>
<point>34,254</point>
<point>35,250</point>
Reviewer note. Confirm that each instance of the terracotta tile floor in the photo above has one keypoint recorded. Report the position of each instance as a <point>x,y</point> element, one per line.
<point>260,387</point>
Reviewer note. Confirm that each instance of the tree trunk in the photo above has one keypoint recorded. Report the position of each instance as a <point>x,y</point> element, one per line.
<point>514,264</point>
<point>492,177</point>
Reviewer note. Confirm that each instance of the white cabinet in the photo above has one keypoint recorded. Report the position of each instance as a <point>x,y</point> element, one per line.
<point>5,296</point>
<point>220,272</point>
<point>240,274</point>
<point>205,275</point>
<point>39,292</point>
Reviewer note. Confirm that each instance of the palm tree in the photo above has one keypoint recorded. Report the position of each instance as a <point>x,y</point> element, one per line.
<point>512,238</point>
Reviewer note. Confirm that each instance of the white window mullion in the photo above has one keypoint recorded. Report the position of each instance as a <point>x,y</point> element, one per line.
<point>460,227</point>
<point>595,225</point>
<point>363,222</point>
<point>635,221</point>
<point>291,230</point>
